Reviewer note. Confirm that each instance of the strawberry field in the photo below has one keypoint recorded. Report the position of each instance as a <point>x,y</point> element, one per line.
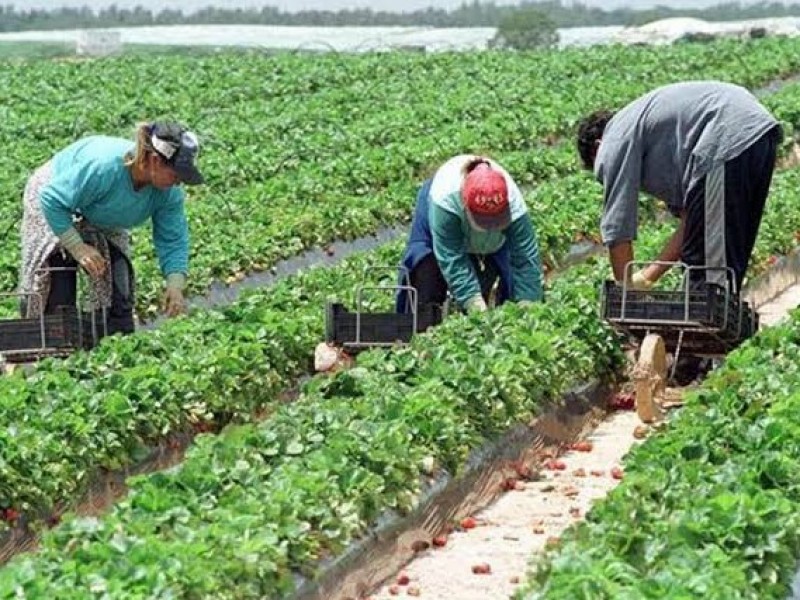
<point>302,150</point>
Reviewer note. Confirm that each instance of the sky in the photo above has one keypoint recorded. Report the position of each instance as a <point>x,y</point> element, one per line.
<point>295,5</point>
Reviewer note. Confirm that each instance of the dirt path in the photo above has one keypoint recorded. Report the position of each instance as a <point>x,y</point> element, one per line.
<point>778,308</point>
<point>519,524</point>
<point>516,527</point>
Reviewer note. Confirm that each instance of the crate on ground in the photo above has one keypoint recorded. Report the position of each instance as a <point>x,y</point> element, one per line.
<point>345,328</point>
<point>359,329</point>
<point>64,330</point>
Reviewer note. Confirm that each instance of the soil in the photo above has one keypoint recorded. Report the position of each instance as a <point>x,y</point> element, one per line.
<point>520,523</point>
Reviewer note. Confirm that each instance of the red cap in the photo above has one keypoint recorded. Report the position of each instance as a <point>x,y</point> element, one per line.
<point>485,196</point>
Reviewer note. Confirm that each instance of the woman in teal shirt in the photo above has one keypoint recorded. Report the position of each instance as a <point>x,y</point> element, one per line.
<point>471,228</point>
<point>80,205</point>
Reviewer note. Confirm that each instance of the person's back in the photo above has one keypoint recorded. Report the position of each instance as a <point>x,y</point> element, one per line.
<point>681,131</point>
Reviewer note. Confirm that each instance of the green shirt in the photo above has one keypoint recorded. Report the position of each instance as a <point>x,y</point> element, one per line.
<point>454,239</point>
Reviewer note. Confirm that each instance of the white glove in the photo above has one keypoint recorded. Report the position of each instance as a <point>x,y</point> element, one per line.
<point>476,304</point>
<point>174,302</point>
<point>640,282</point>
<point>85,255</point>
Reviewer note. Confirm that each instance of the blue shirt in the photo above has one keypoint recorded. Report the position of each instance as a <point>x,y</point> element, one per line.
<point>91,179</point>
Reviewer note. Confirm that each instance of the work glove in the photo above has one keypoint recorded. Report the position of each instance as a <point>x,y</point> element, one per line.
<point>476,304</point>
<point>174,303</point>
<point>640,282</point>
<point>85,255</point>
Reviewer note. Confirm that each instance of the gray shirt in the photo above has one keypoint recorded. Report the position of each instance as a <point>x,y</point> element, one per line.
<point>666,141</point>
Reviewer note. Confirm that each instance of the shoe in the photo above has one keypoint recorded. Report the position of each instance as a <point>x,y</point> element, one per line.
<point>690,369</point>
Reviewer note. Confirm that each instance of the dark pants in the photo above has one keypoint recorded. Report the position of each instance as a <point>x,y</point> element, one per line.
<point>63,288</point>
<point>724,211</point>
<point>431,286</point>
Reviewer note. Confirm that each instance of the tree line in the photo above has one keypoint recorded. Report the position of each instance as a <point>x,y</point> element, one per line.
<point>470,14</point>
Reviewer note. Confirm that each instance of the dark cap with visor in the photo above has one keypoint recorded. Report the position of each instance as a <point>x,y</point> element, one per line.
<point>179,148</point>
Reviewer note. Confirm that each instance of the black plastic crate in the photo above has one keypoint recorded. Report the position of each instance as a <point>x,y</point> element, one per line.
<point>63,330</point>
<point>709,306</point>
<point>377,328</point>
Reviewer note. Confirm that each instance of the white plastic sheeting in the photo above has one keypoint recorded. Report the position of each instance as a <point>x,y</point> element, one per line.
<point>98,42</point>
<point>352,39</point>
<point>668,31</point>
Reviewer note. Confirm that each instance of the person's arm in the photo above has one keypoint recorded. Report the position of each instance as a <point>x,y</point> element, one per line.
<point>526,266</point>
<point>670,253</point>
<point>448,248</point>
<point>618,168</point>
<point>620,254</point>
<point>171,241</point>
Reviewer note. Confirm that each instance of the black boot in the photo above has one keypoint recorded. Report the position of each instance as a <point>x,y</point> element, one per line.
<point>690,368</point>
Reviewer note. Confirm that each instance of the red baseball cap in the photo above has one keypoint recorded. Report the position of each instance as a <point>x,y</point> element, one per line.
<point>485,196</point>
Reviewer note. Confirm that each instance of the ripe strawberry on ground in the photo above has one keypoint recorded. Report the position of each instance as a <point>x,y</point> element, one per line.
<point>482,569</point>
<point>622,401</point>
<point>555,465</point>
<point>583,446</point>
<point>509,484</point>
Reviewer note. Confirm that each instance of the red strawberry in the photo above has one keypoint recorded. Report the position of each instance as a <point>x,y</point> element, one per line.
<point>622,402</point>
<point>394,590</point>
<point>509,484</point>
<point>11,515</point>
<point>617,473</point>
<point>403,578</point>
<point>468,523</point>
<point>482,569</point>
<point>440,541</point>
<point>583,446</point>
<point>555,465</point>
<point>524,471</point>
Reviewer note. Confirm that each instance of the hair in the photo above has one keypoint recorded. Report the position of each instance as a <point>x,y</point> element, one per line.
<point>590,131</point>
<point>473,164</point>
<point>144,146</point>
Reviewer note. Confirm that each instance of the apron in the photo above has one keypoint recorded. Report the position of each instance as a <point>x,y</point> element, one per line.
<point>39,242</point>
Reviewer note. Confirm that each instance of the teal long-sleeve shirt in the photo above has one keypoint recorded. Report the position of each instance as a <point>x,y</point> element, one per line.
<point>90,179</point>
<point>454,240</point>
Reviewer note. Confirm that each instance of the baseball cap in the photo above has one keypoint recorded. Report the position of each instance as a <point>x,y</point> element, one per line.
<point>179,148</point>
<point>485,196</point>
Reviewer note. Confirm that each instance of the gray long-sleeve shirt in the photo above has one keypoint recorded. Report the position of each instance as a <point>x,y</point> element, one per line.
<point>666,141</point>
